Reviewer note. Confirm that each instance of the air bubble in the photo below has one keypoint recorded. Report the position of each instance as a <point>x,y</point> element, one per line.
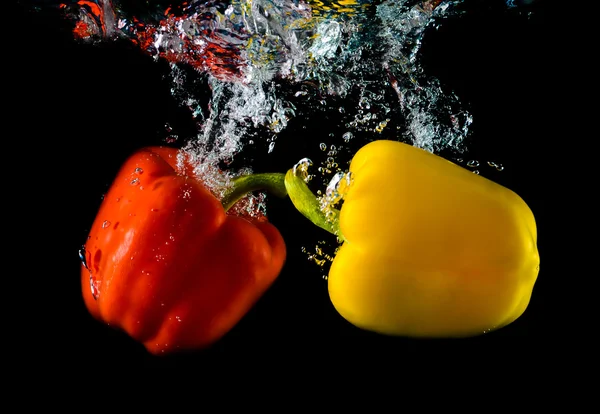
<point>495,165</point>
<point>82,252</point>
<point>300,169</point>
<point>473,163</point>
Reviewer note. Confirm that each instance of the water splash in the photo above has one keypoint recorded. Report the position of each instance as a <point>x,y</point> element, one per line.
<point>247,68</point>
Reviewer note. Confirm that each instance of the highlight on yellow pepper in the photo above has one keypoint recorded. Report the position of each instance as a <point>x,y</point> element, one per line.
<point>429,249</point>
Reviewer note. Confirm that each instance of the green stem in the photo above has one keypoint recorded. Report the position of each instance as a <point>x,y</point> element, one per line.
<point>272,182</point>
<point>308,204</point>
<point>282,185</point>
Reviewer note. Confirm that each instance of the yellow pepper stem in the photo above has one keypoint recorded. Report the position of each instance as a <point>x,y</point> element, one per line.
<point>271,182</point>
<point>281,185</point>
<point>308,204</point>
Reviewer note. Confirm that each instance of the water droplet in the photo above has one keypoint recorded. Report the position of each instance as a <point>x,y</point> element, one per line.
<point>342,110</point>
<point>347,136</point>
<point>135,181</point>
<point>499,167</point>
<point>178,318</point>
<point>491,163</point>
<point>82,253</point>
<point>473,163</point>
<point>138,170</point>
<point>323,146</point>
<point>301,169</point>
<point>105,224</point>
<point>459,160</point>
<point>271,146</point>
<point>94,287</point>
<point>476,172</point>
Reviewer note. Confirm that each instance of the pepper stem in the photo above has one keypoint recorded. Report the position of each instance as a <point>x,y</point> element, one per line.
<point>271,182</point>
<point>308,204</point>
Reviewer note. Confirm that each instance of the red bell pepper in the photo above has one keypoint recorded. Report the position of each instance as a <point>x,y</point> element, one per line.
<point>165,263</point>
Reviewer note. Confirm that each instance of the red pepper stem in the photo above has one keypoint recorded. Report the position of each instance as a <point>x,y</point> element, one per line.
<point>308,204</point>
<point>241,186</point>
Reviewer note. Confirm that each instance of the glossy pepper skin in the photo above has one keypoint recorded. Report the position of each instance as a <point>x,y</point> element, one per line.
<point>166,264</point>
<point>431,249</point>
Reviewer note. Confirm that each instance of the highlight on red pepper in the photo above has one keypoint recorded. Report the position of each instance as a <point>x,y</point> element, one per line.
<point>166,264</point>
<point>429,249</point>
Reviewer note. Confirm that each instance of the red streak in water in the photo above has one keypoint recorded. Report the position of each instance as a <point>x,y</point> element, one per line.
<point>224,63</point>
<point>81,30</point>
<point>206,52</point>
<point>94,8</point>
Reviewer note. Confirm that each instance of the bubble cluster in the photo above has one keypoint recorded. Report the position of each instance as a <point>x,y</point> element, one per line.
<point>321,256</point>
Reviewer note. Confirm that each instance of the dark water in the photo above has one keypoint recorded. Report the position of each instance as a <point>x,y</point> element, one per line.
<point>83,107</point>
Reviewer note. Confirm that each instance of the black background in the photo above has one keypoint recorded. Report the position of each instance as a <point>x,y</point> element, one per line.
<point>79,110</point>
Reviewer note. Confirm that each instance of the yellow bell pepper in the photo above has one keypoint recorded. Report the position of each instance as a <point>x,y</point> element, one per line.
<point>430,249</point>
